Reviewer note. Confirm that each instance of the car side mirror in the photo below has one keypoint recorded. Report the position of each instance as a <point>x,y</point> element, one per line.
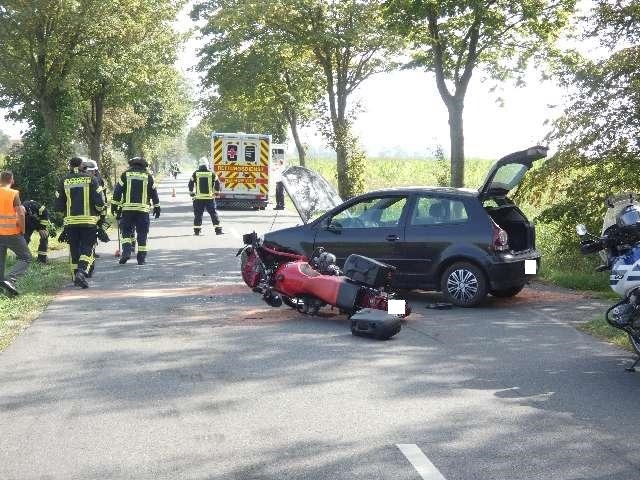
<point>581,229</point>
<point>331,227</point>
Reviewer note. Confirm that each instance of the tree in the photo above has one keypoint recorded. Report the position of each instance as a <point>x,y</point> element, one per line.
<point>597,136</point>
<point>138,45</point>
<point>275,80</point>
<point>5,141</point>
<point>453,38</point>
<point>346,41</point>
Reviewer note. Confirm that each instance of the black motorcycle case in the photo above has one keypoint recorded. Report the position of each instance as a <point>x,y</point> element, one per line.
<point>367,271</point>
<point>375,324</point>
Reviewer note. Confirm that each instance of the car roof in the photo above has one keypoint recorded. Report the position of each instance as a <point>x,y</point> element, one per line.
<point>464,192</point>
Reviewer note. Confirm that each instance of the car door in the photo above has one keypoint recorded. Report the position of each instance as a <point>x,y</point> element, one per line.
<point>433,224</point>
<point>371,226</point>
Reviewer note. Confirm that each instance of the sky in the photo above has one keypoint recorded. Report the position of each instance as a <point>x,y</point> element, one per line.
<point>403,113</point>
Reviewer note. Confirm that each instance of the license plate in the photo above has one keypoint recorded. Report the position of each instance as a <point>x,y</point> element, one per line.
<point>530,267</point>
<point>396,307</point>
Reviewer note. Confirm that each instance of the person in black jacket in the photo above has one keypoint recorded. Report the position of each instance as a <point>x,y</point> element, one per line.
<point>79,197</point>
<point>37,219</point>
<point>131,197</point>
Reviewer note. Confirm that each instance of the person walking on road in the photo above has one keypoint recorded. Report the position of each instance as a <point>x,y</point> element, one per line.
<point>278,168</point>
<point>37,219</point>
<point>131,197</point>
<point>79,197</point>
<point>12,226</point>
<point>205,182</point>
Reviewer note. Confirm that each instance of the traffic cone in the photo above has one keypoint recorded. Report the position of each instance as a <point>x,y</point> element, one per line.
<point>173,192</point>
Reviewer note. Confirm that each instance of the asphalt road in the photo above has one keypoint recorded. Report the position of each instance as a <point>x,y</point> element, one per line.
<point>175,370</point>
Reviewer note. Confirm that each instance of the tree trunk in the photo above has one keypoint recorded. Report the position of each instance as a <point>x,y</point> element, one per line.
<point>293,124</point>
<point>48,113</point>
<point>456,135</point>
<point>95,132</point>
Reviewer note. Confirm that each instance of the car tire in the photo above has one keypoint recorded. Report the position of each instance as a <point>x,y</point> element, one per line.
<point>507,292</point>
<point>464,284</point>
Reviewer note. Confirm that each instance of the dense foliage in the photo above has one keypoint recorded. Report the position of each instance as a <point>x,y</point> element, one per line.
<point>598,135</point>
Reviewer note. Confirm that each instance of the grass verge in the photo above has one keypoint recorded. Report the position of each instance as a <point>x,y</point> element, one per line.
<point>594,283</point>
<point>38,288</point>
<point>601,329</point>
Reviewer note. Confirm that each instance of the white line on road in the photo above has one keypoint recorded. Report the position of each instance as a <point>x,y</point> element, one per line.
<point>420,462</point>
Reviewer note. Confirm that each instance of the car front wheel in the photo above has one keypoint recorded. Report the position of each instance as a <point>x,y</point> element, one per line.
<point>464,284</point>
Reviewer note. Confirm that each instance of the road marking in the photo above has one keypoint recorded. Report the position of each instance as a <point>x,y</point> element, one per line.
<point>420,462</point>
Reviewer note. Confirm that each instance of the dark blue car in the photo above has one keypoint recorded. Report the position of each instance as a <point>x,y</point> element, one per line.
<point>465,243</point>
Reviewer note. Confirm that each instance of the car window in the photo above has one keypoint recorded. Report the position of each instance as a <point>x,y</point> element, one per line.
<point>438,211</point>
<point>371,213</point>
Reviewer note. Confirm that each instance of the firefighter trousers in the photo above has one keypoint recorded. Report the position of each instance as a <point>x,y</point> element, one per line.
<point>199,206</point>
<point>43,245</point>
<point>81,240</point>
<point>133,223</point>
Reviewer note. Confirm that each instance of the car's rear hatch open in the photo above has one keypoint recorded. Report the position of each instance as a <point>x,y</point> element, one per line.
<point>505,175</point>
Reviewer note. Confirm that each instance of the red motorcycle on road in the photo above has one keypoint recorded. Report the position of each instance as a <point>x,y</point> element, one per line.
<point>360,290</point>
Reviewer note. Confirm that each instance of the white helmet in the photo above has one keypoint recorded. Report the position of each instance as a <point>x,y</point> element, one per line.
<point>203,163</point>
<point>90,165</point>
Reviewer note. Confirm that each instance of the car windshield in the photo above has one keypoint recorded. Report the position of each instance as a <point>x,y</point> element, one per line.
<point>615,205</point>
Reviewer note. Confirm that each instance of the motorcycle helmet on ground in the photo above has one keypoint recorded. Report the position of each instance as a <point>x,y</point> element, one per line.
<point>138,161</point>
<point>629,217</point>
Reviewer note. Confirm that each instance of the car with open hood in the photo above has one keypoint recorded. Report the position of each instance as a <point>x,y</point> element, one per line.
<point>465,243</point>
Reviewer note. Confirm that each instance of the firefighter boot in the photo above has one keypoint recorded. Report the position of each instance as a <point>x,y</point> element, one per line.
<point>219,231</point>
<point>142,258</point>
<point>196,231</point>
<point>80,280</point>
<point>126,254</point>
<point>42,258</point>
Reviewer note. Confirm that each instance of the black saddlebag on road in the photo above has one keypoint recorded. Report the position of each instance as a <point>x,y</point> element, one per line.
<point>367,271</point>
<point>375,324</point>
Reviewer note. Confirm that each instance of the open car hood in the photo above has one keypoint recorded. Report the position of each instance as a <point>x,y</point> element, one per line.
<point>310,193</point>
<point>507,173</point>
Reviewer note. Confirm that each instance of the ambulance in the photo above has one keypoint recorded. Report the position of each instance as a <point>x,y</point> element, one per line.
<point>241,162</point>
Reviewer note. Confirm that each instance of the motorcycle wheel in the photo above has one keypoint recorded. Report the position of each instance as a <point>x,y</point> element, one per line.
<point>635,342</point>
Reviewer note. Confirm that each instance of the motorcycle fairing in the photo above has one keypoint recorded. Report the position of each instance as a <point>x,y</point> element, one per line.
<point>310,193</point>
<point>615,204</point>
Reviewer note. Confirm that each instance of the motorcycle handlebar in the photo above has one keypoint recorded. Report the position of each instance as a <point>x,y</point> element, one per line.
<point>591,247</point>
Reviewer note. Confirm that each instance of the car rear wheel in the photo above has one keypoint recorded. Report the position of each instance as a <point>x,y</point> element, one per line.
<point>464,284</point>
<point>507,292</point>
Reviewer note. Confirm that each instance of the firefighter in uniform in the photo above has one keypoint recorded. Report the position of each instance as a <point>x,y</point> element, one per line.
<point>205,182</point>
<point>91,167</point>
<point>80,199</point>
<point>38,220</point>
<point>130,203</point>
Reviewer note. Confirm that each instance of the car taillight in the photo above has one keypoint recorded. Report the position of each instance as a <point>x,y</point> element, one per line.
<point>500,238</point>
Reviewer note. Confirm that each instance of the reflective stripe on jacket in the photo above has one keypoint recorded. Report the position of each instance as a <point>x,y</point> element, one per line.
<point>8,215</point>
<point>204,185</point>
<point>134,191</point>
<point>79,197</point>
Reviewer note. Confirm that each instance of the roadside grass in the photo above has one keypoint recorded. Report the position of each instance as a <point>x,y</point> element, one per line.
<point>596,283</point>
<point>38,288</point>
<point>601,329</point>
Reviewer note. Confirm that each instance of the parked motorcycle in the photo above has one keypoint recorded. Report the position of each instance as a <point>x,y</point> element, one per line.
<point>619,247</point>
<point>307,285</point>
